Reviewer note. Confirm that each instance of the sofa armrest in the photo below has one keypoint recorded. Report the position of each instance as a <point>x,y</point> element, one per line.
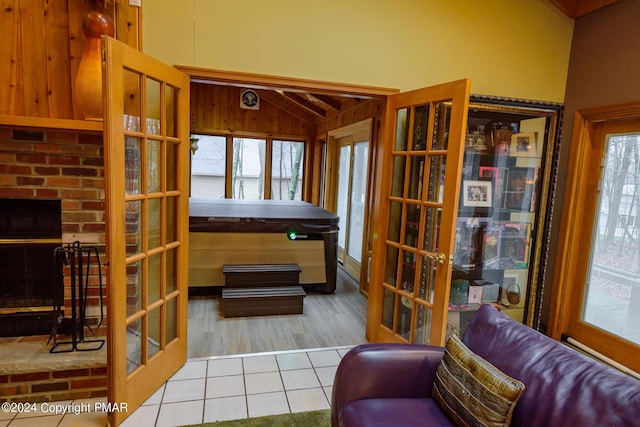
<point>384,370</point>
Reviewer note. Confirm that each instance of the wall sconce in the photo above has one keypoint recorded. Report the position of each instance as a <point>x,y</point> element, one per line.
<point>88,83</point>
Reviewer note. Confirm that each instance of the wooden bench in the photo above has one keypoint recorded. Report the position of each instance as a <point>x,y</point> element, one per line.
<point>262,289</point>
<point>262,301</point>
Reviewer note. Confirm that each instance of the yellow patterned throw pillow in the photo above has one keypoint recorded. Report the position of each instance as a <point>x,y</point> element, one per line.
<point>471,390</point>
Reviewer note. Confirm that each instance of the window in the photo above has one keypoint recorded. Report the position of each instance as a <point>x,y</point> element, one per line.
<point>242,175</point>
<point>613,278</point>
<point>597,278</point>
<point>287,168</point>
<point>208,167</point>
<point>247,169</point>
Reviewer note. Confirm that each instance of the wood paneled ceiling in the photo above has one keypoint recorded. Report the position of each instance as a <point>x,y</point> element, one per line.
<point>577,8</point>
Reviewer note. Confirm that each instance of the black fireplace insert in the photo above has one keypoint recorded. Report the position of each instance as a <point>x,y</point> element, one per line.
<point>30,231</point>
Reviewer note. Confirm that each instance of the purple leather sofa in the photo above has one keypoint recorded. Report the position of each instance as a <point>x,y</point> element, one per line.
<point>390,384</point>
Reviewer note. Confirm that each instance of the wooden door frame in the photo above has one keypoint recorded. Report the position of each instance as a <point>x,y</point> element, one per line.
<point>312,185</point>
<point>357,131</point>
<point>264,81</point>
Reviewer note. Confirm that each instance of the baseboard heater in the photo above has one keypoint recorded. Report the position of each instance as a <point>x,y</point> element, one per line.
<point>597,355</point>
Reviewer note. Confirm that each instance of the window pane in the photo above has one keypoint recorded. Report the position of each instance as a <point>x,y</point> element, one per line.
<point>343,192</point>
<point>358,199</point>
<point>247,169</point>
<point>287,164</point>
<point>613,284</point>
<point>208,167</point>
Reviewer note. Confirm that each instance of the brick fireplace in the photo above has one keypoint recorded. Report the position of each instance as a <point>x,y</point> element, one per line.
<point>65,166</point>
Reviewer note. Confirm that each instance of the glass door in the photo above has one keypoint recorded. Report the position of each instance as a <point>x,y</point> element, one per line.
<point>351,202</point>
<point>342,200</point>
<point>414,223</point>
<point>347,193</point>
<point>357,201</point>
<point>146,174</point>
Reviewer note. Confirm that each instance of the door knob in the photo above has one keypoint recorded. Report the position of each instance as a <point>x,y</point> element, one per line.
<point>440,258</point>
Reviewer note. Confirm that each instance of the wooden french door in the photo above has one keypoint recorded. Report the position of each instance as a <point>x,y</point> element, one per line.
<point>415,216</point>
<point>146,176</point>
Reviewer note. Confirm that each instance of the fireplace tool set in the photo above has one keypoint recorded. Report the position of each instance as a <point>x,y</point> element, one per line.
<point>80,260</point>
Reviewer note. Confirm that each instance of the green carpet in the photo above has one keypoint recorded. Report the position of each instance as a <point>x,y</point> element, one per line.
<point>298,419</point>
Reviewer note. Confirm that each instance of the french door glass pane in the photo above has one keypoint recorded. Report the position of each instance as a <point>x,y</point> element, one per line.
<point>416,178</point>
<point>153,223</point>
<point>171,162</point>
<point>133,222</point>
<point>153,106</point>
<point>435,191</point>
<point>402,129</point>
<point>247,170</point>
<point>392,265</point>
<point>287,167</point>
<point>405,313</point>
<point>442,120</point>
<point>208,167</point>
<point>171,223</point>
<point>343,191</point>
<point>132,165</point>
<point>387,308</point>
<point>134,288</point>
<point>358,199</point>
<point>395,212</point>
<point>153,166</point>
<point>613,283</point>
<point>153,340</point>
<point>423,321</point>
<point>154,276</point>
<point>397,182</point>
<point>134,345</point>
<point>132,101</point>
<point>420,128</point>
<point>171,104</point>
<point>171,273</point>
<point>172,320</point>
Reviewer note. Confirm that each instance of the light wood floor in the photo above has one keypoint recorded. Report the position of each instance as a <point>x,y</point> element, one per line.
<point>328,321</point>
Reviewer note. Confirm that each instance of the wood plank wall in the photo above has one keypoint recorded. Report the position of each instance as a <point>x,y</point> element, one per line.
<point>216,109</point>
<point>351,112</point>
<point>41,44</point>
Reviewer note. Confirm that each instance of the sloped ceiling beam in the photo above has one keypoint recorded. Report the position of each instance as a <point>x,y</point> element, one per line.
<point>305,104</point>
<point>279,101</point>
<point>327,100</point>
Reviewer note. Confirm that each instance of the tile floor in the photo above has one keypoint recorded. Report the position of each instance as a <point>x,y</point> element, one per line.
<point>215,389</point>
